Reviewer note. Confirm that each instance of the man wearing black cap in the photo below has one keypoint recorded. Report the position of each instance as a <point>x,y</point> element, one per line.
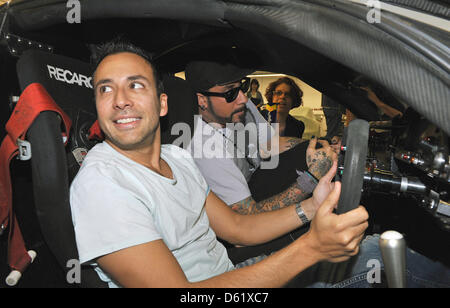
<point>145,217</point>
<point>221,89</point>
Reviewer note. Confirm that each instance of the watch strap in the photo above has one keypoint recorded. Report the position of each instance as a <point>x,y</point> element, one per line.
<point>301,213</point>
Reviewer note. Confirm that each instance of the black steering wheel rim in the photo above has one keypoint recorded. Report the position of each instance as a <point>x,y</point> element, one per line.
<point>356,146</point>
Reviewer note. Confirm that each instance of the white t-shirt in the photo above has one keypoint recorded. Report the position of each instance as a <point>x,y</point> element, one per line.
<point>117,203</point>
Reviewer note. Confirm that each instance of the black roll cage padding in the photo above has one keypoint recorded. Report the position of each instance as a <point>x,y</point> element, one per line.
<point>51,193</point>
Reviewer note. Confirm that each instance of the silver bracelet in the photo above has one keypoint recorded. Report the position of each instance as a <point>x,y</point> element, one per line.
<point>301,213</point>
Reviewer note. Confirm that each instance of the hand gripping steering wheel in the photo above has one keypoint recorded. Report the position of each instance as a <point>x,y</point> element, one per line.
<point>353,161</point>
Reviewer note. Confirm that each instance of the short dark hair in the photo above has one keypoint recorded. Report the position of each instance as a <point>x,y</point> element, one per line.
<point>296,92</point>
<point>254,81</point>
<point>116,46</point>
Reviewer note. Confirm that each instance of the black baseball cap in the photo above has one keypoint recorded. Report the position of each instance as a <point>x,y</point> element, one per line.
<point>203,75</point>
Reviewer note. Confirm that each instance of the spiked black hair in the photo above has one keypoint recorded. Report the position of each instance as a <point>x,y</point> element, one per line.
<point>119,45</point>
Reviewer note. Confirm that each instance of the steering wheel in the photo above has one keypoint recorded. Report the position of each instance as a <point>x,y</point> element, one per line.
<point>353,161</point>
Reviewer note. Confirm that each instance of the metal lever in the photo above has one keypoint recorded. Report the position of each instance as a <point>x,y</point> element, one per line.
<point>393,251</point>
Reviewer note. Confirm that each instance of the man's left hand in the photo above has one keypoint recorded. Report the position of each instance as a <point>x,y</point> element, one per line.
<point>319,161</point>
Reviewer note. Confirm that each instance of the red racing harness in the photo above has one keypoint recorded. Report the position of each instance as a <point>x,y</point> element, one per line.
<point>34,100</point>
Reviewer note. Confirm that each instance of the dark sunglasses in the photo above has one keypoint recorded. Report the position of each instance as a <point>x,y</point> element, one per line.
<point>232,94</point>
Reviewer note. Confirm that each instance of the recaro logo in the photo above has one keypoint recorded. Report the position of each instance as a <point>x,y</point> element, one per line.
<point>69,77</point>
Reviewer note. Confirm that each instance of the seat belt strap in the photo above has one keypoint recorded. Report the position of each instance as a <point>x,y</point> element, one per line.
<point>34,100</point>
<point>95,132</point>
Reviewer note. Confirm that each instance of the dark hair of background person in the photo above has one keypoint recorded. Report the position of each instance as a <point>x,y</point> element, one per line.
<point>296,92</point>
<point>254,81</point>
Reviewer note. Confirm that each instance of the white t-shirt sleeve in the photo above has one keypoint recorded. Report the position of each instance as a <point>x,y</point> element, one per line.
<point>224,179</point>
<point>265,131</point>
<point>107,217</point>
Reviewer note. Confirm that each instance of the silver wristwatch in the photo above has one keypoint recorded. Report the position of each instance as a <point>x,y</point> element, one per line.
<point>301,213</point>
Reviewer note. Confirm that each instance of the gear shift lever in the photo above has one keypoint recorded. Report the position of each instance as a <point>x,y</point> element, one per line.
<point>393,251</point>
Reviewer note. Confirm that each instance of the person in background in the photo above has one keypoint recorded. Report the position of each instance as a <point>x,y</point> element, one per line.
<point>254,95</point>
<point>333,112</point>
<point>283,95</point>
<point>389,107</point>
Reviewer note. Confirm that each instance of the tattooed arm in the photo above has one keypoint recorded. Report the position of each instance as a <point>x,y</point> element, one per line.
<point>275,148</point>
<point>255,229</point>
<point>319,161</point>
<point>287,143</point>
<point>290,196</point>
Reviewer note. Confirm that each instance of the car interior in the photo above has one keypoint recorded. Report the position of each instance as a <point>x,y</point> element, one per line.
<point>403,175</point>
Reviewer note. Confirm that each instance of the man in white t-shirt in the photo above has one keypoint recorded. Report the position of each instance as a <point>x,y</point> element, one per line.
<point>144,215</point>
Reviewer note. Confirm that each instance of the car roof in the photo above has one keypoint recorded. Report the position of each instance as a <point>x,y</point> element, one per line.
<point>323,43</point>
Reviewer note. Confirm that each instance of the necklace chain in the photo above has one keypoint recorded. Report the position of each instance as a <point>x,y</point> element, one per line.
<point>234,144</point>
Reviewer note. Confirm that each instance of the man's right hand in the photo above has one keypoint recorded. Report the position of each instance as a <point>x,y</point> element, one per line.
<point>335,238</point>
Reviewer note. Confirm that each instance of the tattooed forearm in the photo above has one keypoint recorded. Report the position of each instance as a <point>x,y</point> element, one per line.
<point>293,142</point>
<point>290,196</point>
<point>245,206</point>
<point>279,146</point>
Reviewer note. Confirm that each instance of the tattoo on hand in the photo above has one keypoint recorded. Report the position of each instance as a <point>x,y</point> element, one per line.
<point>319,163</point>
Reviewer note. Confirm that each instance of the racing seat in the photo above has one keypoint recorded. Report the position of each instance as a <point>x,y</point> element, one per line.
<point>54,166</point>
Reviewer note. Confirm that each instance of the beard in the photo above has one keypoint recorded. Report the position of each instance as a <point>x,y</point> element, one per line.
<point>231,118</point>
<point>240,118</point>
